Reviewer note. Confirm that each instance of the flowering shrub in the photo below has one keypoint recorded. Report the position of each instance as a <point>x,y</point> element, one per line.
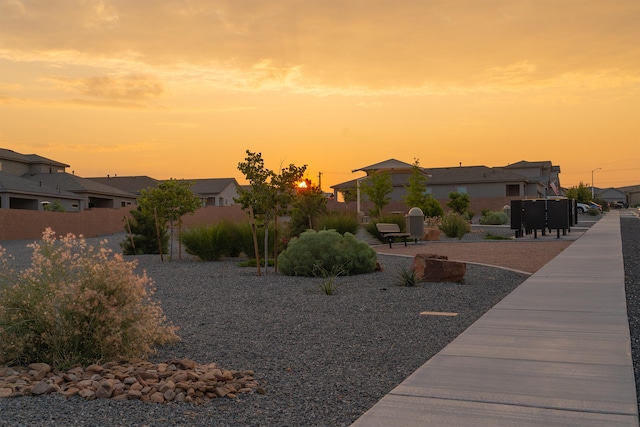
<point>76,304</point>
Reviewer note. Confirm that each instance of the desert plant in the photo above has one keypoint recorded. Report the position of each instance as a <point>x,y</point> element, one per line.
<point>208,242</point>
<point>454,225</point>
<point>408,276</point>
<point>77,304</point>
<point>494,218</point>
<point>491,236</point>
<point>328,285</point>
<point>342,222</point>
<point>593,212</point>
<point>243,239</point>
<point>326,249</point>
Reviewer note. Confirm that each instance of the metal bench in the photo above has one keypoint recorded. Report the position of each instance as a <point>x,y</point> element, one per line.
<point>390,231</point>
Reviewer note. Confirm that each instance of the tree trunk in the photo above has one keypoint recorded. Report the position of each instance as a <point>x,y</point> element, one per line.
<point>255,239</point>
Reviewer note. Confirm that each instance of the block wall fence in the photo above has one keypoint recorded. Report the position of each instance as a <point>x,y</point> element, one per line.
<point>19,224</point>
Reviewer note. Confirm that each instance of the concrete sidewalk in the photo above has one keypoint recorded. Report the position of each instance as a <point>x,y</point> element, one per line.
<point>555,352</point>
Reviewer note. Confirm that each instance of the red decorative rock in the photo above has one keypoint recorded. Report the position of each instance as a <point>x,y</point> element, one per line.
<point>438,268</point>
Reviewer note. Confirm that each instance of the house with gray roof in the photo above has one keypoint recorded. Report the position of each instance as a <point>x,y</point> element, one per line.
<point>21,193</point>
<point>212,191</point>
<point>490,184</point>
<point>216,191</point>
<point>29,181</point>
<point>130,184</point>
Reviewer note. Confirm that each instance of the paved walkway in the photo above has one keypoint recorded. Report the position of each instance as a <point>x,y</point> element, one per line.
<point>555,352</point>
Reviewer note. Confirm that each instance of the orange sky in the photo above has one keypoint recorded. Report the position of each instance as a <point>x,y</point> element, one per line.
<point>182,88</point>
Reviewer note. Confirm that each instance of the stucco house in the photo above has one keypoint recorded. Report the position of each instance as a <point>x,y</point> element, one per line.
<point>212,191</point>
<point>29,181</point>
<point>610,195</point>
<point>487,187</point>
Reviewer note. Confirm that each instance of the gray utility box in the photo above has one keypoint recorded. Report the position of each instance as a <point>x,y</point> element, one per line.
<point>415,223</point>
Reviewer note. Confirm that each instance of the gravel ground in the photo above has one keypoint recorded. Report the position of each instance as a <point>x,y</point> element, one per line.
<point>323,360</point>
<point>631,252</point>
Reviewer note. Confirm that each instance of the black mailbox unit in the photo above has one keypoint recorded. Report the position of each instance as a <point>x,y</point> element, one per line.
<point>559,215</point>
<point>517,216</point>
<point>535,216</point>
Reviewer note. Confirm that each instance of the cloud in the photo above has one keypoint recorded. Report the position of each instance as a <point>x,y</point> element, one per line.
<point>127,88</point>
<point>357,47</point>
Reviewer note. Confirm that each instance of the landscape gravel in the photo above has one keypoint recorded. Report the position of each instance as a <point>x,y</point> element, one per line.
<point>322,359</point>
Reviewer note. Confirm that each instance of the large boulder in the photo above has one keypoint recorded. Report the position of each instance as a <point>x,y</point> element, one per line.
<point>438,268</point>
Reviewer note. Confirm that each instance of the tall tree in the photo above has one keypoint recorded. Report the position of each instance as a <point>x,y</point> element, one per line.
<point>169,202</point>
<point>377,188</point>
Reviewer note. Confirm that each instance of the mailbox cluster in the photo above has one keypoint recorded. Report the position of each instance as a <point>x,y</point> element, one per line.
<point>530,215</point>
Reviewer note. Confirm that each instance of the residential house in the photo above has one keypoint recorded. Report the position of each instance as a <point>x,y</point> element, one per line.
<point>216,191</point>
<point>130,184</point>
<point>633,194</point>
<point>212,191</point>
<point>29,181</point>
<point>487,187</point>
<point>21,193</point>
<point>610,195</point>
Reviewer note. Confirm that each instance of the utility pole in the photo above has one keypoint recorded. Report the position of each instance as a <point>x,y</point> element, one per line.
<point>320,180</point>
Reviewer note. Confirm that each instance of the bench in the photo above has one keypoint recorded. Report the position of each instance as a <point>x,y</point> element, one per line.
<point>390,231</point>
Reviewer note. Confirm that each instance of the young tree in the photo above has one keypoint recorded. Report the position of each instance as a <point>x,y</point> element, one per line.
<point>169,202</point>
<point>459,202</point>
<point>581,193</point>
<point>309,203</point>
<point>377,188</point>
<point>270,193</point>
<point>143,238</point>
<point>417,187</point>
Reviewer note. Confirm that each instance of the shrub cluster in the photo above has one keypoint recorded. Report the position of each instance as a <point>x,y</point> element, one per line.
<point>226,238</point>
<point>494,218</point>
<point>209,242</point>
<point>326,250</point>
<point>342,222</point>
<point>454,225</point>
<point>76,304</point>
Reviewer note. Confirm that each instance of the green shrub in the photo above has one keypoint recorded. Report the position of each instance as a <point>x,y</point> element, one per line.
<point>408,276</point>
<point>491,236</point>
<point>76,304</point>
<point>432,207</point>
<point>593,212</point>
<point>327,250</point>
<point>243,239</point>
<point>144,234</point>
<point>494,218</point>
<point>209,242</point>
<point>342,222</point>
<point>454,225</point>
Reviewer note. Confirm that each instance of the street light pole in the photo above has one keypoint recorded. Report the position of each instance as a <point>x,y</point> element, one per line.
<point>592,193</point>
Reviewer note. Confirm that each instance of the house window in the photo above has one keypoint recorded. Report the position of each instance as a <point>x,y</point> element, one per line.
<point>513,190</point>
<point>462,189</point>
<point>123,204</point>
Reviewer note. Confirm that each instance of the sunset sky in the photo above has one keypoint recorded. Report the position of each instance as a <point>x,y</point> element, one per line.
<point>182,88</point>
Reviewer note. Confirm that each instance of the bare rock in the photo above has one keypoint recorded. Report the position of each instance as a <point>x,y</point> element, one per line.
<point>438,268</point>
<point>42,388</point>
